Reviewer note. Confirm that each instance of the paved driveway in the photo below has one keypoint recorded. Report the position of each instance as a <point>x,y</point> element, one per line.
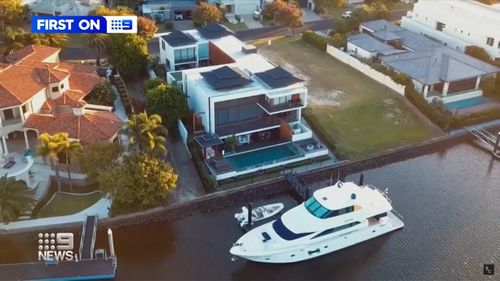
<point>250,22</point>
<point>309,16</point>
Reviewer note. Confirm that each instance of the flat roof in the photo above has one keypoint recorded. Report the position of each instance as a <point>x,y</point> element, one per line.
<point>178,38</point>
<point>278,78</point>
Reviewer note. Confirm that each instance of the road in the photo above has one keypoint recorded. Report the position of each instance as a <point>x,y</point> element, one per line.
<point>265,32</point>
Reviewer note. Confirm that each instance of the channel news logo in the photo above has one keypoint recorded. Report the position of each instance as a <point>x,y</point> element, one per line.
<point>56,246</point>
<point>84,24</point>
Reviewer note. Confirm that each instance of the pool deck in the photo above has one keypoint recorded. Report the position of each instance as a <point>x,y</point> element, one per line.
<point>476,108</point>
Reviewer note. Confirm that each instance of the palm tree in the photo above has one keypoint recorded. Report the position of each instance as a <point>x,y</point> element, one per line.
<point>146,134</point>
<point>15,198</point>
<point>97,42</point>
<point>72,149</point>
<point>49,149</point>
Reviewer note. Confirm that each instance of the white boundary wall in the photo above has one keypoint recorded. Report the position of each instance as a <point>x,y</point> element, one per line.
<point>365,69</point>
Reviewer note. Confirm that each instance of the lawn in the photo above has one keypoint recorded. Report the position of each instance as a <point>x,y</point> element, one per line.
<point>62,204</point>
<point>358,115</point>
<point>236,26</point>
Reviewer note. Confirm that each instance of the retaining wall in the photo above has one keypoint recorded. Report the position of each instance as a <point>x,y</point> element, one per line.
<point>365,69</point>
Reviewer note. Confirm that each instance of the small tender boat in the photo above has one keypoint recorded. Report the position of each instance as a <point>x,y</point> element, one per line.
<point>258,213</point>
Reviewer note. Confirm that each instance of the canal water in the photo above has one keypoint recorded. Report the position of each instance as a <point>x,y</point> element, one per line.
<point>450,201</point>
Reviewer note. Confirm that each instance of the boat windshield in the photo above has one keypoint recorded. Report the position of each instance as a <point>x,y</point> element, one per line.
<point>317,210</point>
<point>286,233</point>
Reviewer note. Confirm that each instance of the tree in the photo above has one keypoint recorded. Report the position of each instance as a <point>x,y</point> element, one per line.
<point>16,38</point>
<point>15,198</point>
<point>338,40</point>
<point>71,150</point>
<point>168,102</point>
<point>289,16</point>
<point>139,182</point>
<point>270,10</point>
<point>97,42</point>
<point>9,10</point>
<point>479,53</point>
<point>146,28</point>
<point>98,157</point>
<point>206,13</point>
<point>146,134</point>
<point>230,143</point>
<point>128,53</point>
<point>50,147</point>
<point>102,94</point>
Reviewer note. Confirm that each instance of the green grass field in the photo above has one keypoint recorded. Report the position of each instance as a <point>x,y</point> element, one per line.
<point>359,115</point>
<point>63,204</point>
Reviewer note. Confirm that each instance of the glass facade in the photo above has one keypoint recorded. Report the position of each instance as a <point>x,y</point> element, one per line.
<point>186,54</point>
<point>237,114</point>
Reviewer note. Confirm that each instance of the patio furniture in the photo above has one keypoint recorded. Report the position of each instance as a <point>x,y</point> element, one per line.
<point>9,164</point>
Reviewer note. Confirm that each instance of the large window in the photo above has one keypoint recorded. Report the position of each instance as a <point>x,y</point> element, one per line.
<point>55,89</point>
<point>317,210</point>
<point>236,114</point>
<point>336,229</point>
<point>184,54</point>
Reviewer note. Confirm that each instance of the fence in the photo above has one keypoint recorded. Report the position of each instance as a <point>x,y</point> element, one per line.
<point>365,69</point>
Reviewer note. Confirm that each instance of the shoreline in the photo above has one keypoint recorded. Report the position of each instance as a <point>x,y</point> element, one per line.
<point>226,198</point>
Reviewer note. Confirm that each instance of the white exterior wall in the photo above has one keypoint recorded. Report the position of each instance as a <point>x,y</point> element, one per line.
<point>358,52</point>
<point>459,97</point>
<point>38,100</point>
<point>168,53</point>
<point>245,7</point>
<point>198,102</point>
<point>467,23</point>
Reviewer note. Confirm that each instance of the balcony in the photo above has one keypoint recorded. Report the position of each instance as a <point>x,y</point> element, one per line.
<point>10,122</point>
<point>271,109</point>
<point>251,125</point>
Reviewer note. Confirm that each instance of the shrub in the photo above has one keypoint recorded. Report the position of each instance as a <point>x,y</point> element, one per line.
<point>315,40</point>
<point>491,87</point>
<point>102,94</point>
<point>338,40</point>
<point>209,183</point>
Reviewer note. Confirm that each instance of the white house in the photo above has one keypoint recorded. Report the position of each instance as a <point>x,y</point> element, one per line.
<point>437,71</point>
<point>239,7</point>
<point>457,23</point>
<point>241,95</point>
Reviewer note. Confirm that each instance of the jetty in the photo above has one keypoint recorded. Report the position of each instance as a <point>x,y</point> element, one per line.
<point>87,265</point>
<point>486,140</point>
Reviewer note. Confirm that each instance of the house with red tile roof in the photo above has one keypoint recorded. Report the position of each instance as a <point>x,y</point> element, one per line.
<point>40,93</point>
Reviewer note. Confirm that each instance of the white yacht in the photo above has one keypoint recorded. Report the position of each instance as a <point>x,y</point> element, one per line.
<point>334,218</point>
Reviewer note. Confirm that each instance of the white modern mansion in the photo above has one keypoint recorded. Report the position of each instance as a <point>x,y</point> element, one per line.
<point>457,23</point>
<point>242,97</point>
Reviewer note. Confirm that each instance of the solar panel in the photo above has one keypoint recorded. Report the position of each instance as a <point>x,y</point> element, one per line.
<point>279,73</point>
<point>225,73</point>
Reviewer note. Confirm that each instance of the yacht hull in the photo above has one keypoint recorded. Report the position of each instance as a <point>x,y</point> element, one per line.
<point>316,249</point>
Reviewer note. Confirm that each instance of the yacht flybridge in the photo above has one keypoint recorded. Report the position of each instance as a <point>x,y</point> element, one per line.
<point>334,218</point>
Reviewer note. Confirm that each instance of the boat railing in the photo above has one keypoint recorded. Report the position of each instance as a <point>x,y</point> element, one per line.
<point>381,192</point>
<point>397,214</point>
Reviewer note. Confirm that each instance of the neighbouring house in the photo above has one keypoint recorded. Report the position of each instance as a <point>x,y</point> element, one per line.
<point>168,10</point>
<point>437,71</point>
<point>247,111</point>
<point>239,7</point>
<point>62,7</point>
<point>457,23</point>
<point>39,93</point>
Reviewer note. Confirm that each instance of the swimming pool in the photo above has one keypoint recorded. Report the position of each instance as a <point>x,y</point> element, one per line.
<point>261,157</point>
<point>466,103</point>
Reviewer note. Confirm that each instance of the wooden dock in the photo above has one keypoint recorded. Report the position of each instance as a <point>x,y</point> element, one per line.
<point>88,266</point>
<point>486,140</point>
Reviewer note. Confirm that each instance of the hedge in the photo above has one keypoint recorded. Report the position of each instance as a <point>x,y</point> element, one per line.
<point>209,183</point>
<point>315,40</point>
<point>437,117</point>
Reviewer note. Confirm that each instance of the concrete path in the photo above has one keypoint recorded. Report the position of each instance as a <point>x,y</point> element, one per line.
<point>100,208</point>
<point>189,185</point>
<point>250,22</point>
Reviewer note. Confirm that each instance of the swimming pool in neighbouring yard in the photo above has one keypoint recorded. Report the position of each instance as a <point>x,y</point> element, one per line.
<point>466,103</point>
<point>261,157</point>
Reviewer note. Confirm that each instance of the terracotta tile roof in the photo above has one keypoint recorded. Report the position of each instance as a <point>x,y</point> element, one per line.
<point>82,77</point>
<point>70,97</point>
<point>22,82</point>
<point>7,98</point>
<point>36,53</point>
<point>93,126</point>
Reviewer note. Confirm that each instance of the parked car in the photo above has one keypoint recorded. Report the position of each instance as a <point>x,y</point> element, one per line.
<point>346,14</point>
